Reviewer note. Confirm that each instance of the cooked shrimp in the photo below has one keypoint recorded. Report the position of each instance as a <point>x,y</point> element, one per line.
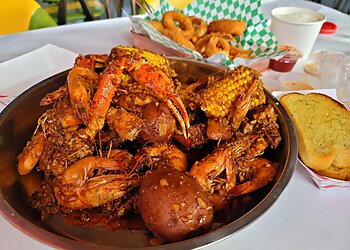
<point>222,159</point>
<point>261,171</point>
<point>164,156</point>
<point>31,154</point>
<point>80,189</point>
<point>81,82</point>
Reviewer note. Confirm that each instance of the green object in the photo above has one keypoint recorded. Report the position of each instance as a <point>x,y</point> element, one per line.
<point>41,19</point>
<point>257,36</point>
<point>74,12</point>
<point>141,10</point>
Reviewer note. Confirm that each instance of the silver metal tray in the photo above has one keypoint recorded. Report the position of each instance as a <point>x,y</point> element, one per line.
<point>17,123</point>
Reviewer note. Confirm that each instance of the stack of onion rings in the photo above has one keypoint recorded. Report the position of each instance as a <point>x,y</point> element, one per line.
<point>194,33</point>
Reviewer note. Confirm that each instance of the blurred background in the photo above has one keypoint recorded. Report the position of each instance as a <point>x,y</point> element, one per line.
<point>341,5</point>
<point>23,15</point>
<point>117,8</point>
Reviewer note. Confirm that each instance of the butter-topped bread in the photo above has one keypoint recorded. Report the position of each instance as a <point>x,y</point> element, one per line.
<point>323,129</point>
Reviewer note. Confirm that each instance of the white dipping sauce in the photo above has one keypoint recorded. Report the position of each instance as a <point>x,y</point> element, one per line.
<point>298,17</point>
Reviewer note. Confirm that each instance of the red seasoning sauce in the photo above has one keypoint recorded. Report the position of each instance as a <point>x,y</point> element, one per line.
<point>282,65</point>
<point>287,62</point>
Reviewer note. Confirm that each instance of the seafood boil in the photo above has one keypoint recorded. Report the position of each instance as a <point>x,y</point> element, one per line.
<point>125,137</point>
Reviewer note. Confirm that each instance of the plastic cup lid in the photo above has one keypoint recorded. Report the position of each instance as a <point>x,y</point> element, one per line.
<point>328,28</point>
<point>293,53</point>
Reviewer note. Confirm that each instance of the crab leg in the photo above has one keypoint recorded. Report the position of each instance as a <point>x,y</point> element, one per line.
<point>149,76</point>
<point>162,87</point>
<point>110,79</point>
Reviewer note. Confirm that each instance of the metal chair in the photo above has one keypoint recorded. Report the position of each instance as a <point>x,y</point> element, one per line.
<point>119,5</point>
<point>342,3</point>
<point>70,11</point>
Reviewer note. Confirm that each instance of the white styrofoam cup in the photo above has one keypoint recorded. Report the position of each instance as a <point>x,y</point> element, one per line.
<point>297,27</point>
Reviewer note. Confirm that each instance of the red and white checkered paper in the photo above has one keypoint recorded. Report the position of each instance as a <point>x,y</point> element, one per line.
<point>5,100</point>
<point>324,182</point>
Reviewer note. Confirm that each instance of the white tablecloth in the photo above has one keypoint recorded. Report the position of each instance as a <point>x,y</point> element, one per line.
<point>304,217</point>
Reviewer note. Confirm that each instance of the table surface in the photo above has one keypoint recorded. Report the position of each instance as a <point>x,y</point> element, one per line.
<point>304,217</point>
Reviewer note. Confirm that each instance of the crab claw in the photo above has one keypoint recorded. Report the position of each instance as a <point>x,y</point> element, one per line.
<point>178,108</point>
<point>161,86</point>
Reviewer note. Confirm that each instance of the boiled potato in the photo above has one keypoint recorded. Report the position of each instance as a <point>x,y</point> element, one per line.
<point>173,205</point>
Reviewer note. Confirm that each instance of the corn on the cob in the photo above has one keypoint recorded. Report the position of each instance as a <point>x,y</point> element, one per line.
<point>220,96</point>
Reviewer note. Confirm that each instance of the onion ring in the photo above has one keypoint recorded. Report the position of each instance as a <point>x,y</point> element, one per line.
<point>199,26</point>
<point>177,37</point>
<point>217,45</point>
<point>157,25</point>
<point>185,24</point>
<point>201,44</point>
<point>233,27</point>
